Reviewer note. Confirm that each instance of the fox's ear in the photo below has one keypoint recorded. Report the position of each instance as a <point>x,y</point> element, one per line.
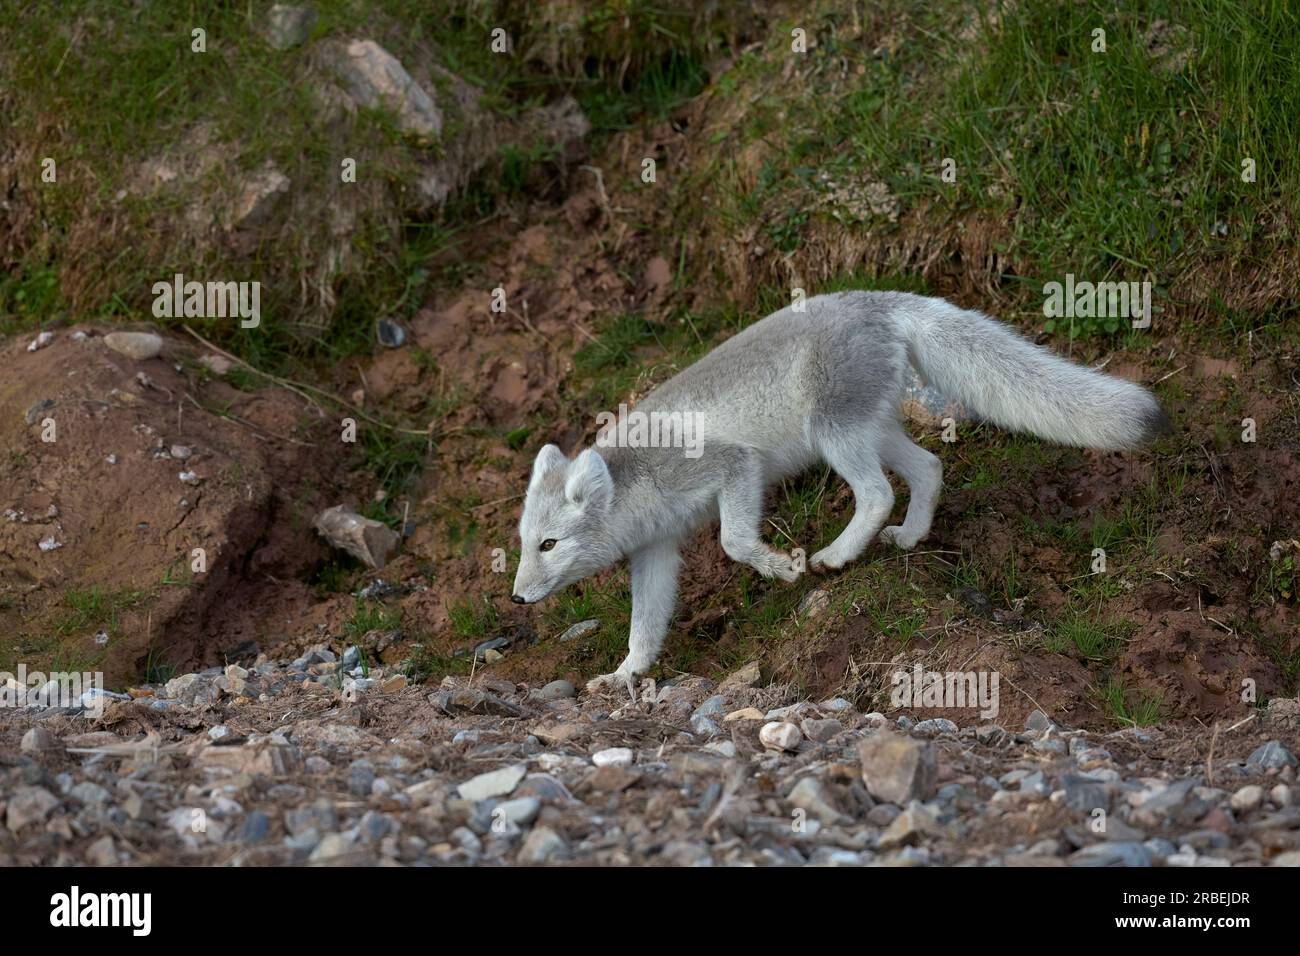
<point>548,460</point>
<point>589,482</point>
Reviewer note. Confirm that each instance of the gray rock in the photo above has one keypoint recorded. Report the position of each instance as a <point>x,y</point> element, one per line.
<point>897,769</point>
<point>376,80</point>
<point>1116,853</point>
<point>287,26</point>
<point>821,731</point>
<point>365,539</point>
<point>558,690</point>
<point>391,335</point>
<point>520,811</point>
<point>90,793</point>
<point>1038,722</point>
<point>812,795</point>
<point>332,847</point>
<point>581,629</point>
<point>543,845</point>
<point>256,828</point>
<point>38,740</point>
<point>1271,756</point>
<point>934,727</point>
<point>1247,798</point>
<point>28,805</point>
<point>1084,795</point>
<point>715,706</point>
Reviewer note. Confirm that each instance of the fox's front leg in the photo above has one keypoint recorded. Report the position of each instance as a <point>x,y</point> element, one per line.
<point>654,595</point>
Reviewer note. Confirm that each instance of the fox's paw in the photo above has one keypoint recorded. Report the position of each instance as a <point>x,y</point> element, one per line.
<point>778,565</point>
<point>619,679</point>
<point>827,559</point>
<point>900,536</point>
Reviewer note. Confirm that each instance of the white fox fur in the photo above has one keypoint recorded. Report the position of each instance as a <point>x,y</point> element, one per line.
<point>793,389</point>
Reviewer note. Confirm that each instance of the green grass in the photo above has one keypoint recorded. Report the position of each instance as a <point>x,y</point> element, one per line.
<point>473,618</point>
<point>370,616</point>
<point>94,608</point>
<point>1134,709</point>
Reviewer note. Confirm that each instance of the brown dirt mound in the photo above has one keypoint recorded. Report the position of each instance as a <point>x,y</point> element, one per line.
<point>102,516</point>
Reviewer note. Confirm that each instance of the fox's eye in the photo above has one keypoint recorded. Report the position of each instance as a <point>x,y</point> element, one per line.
<point>548,544</point>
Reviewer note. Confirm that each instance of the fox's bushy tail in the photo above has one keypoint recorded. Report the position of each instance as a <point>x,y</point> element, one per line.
<point>1011,382</point>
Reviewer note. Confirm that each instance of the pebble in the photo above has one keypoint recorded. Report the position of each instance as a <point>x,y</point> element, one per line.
<point>496,783</point>
<point>780,735</point>
<point>558,690</point>
<point>581,629</point>
<point>613,757</point>
<point>29,805</point>
<point>1247,798</point>
<point>542,845</point>
<point>1271,756</point>
<point>897,769</point>
<point>135,345</point>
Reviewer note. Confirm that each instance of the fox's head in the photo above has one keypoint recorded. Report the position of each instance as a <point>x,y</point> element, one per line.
<point>564,526</point>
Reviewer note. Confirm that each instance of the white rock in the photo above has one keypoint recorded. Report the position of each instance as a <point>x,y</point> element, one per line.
<point>780,735</point>
<point>612,757</point>
<point>42,340</point>
<point>135,345</point>
<point>1247,798</point>
<point>496,783</point>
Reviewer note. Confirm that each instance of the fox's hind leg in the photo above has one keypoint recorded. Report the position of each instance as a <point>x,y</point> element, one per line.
<point>740,506</point>
<point>851,452</point>
<point>923,473</point>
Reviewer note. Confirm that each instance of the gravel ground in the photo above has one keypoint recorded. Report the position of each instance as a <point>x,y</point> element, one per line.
<point>321,761</point>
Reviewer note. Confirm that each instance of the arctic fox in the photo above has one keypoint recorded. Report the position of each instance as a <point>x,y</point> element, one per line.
<point>798,387</point>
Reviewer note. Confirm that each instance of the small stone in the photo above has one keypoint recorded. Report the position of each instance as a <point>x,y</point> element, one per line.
<point>288,26</point>
<point>934,727</point>
<point>715,706</point>
<point>180,452</point>
<point>910,826</point>
<point>332,846</point>
<point>780,735</point>
<point>392,685</point>
<point>1271,756</point>
<point>520,811</point>
<point>28,805</point>
<point>1038,722</point>
<point>1280,795</point>
<point>897,769</point>
<point>390,334</point>
<point>37,740</point>
<point>376,80</point>
<point>581,629</point>
<point>836,705</point>
<point>814,603</point>
<point>1112,853</point>
<point>543,845</point>
<point>90,793</point>
<point>812,795</point>
<point>747,676</point>
<point>365,539</point>
<point>190,477</point>
<point>135,345</point>
<point>256,828</point>
<point>103,852</point>
<point>42,339</point>
<point>1247,798</point>
<point>748,713</point>
<point>558,690</point>
<point>497,783</point>
<point>34,414</point>
<point>613,757</point>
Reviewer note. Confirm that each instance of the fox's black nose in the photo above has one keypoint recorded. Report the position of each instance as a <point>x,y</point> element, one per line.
<point>518,599</point>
